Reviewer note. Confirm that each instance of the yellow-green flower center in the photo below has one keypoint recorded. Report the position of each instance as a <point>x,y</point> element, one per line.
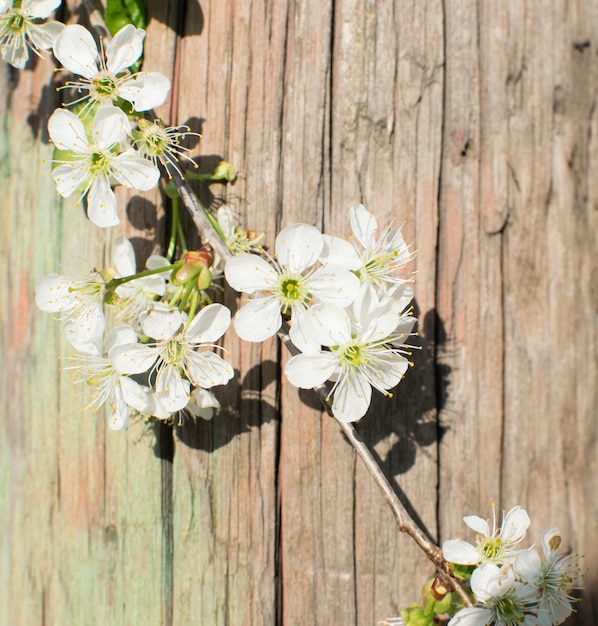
<point>104,86</point>
<point>16,23</point>
<point>99,162</point>
<point>354,355</point>
<point>292,290</point>
<point>492,548</point>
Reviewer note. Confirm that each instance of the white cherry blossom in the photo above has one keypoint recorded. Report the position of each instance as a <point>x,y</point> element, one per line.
<point>288,286</point>
<point>173,359</point>
<point>20,30</point>
<point>496,545</point>
<point>95,164</point>
<point>106,77</point>
<point>107,385</point>
<point>504,600</point>
<point>380,260</point>
<point>361,350</point>
<point>557,577</point>
<point>79,301</point>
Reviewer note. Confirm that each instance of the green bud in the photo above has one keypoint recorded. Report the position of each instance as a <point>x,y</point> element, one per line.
<point>225,171</point>
<point>415,617</point>
<point>204,278</point>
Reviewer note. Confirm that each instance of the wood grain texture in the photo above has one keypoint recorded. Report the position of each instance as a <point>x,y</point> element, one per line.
<point>472,122</point>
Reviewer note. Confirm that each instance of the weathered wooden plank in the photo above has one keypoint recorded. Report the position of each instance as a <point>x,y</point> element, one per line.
<point>550,271</point>
<point>469,273</point>
<point>386,123</point>
<point>225,498</point>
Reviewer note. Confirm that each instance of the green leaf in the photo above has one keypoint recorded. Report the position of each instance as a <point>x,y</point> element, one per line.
<point>119,13</point>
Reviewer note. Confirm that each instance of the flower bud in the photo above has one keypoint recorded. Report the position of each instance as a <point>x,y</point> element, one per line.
<point>225,171</point>
<point>196,266</point>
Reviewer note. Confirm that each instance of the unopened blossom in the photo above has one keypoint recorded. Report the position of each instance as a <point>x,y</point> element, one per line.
<point>104,78</point>
<point>173,358</point>
<point>95,164</point>
<point>361,351</point>
<point>377,259</point>
<point>287,286</point>
<point>503,601</point>
<point>77,300</point>
<point>21,31</point>
<point>496,545</point>
<point>106,385</point>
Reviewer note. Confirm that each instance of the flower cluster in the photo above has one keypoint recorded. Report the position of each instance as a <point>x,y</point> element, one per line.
<point>511,585</point>
<point>161,361</point>
<point>102,139</point>
<point>347,307</point>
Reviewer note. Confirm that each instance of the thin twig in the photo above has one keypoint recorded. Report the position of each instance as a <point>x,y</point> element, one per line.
<point>405,522</point>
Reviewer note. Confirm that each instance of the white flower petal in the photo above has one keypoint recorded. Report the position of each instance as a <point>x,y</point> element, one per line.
<point>478,524</point>
<point>119,336</point>
<point>203,403</point>
<point>515,525</point>
<point>302,331</point>
<point>110,126</point>
<point>207,369</point>
<point>352,398</point>
<point>209,324</point>
<point>460,552</point>
<point>474,616</point>
<point>43,36</point>
<point>146,90</point>
<point>339,253</point>
<point>310,370</point>
<point>67,131</point>
<point>134,171</point>
<point>249,273</point>
<point>123,257</point>
<point>101,203</point>
<point>40,8</point>
<point>133,358</point>
<point>135,395</point>
<point>16,55</point>
<point>363,225</point>
<point>551,539</point>
<point>82,344</point>
<point>386,371</point>
<point>490,581</point>
<point>330,325</point>
<point>160,322</point>
<point>86,327</point>
<point>298,247</point>
<point>69,178</point>
<point>53,293</point>
<point>119,413</point>
<point>125,48</point>
<point>334,286</point>
<point>258,319</point>
<point>172,390</point>
<point>528,566</point>
<point>76,50</point>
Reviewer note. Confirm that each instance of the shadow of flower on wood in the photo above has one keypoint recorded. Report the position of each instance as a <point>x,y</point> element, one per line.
<point>244,407</point>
